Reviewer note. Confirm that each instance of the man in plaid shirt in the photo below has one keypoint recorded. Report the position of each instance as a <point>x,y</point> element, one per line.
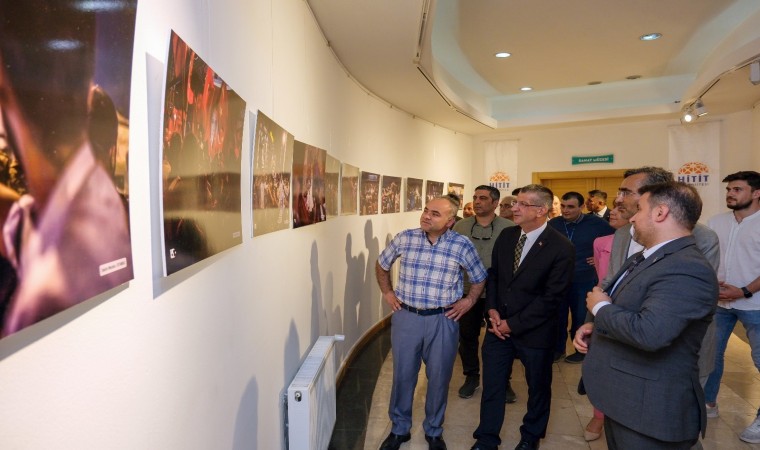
<point>427,304</point>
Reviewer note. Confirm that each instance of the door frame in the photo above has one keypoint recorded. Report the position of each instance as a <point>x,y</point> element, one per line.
<point>537,177</point>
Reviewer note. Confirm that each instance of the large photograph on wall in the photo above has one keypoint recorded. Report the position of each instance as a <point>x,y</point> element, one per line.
<point>272,164</point>
<point>433,189</point>
<point>369,190</point>
<point>202,144</point>
<point>308,184</point>
<point>413,195</point>
<point>332,186</point>
<point>64,139</point>
<point>390,199</point>
<point>349,189</point>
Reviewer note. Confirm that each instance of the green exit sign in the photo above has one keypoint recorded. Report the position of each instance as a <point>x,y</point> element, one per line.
<point>600,159</point>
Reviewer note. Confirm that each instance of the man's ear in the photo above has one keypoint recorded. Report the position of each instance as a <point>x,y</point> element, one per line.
<point>660,212</point>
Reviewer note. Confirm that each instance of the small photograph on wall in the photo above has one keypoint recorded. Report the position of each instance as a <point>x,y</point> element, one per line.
<point>390,200</point>
<point>332,186</point>
<point>413,195</point>
<point>272,164</point>
<point>308,184</point>
<point>458,190</point>
<point>369,191</point>
<point>433,189</point>
<point>349,189</point>
<point>64,141</point>
<point>202,146</point>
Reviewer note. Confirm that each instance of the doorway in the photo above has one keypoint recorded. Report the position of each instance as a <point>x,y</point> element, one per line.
<point>582,181</point>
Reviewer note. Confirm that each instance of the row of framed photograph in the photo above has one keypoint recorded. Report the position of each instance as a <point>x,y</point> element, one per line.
<point>293,184</point>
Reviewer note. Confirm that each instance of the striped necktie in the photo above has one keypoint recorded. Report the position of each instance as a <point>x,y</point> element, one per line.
<point>518,251</point>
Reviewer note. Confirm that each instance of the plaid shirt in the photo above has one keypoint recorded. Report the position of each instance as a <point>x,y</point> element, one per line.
<point>430,275</point>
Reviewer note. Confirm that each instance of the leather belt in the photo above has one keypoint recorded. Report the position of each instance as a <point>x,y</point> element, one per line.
<point>425,312</point>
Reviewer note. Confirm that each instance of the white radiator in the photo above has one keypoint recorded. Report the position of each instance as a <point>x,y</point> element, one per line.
<point>311,398</point>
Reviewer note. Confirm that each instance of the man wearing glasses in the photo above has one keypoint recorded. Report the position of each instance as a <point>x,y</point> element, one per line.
<point>483,228</point>
<point>623,246</point>
<point>531,268</point>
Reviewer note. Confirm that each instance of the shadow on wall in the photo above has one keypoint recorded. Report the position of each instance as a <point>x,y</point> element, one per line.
<point>247,419</point>
<point>370,298</point>
<point>355,266</point>
<point>292,361</point>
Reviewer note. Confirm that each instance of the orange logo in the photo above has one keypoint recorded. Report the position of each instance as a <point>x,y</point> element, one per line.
<point>694,173</point>
<point>499,180</point>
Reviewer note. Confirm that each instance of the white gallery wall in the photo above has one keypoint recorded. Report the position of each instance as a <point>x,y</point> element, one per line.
<point>200,360</point>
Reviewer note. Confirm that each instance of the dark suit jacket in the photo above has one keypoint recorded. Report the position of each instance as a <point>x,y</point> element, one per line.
<point>641,368</point>
<point>708,245</point>
<point>529,299</point>
<point>605,216</point>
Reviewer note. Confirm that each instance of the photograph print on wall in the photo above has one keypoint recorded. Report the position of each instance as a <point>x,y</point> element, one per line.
<point>369,190</point>
<point>349,189</point>
<point>332,186</point>
<point>390,199</point>
<point>272,164</point>
<point>433,189</point>
<point>413,195</point>
<point>64,141</point>
<point>308,185</point>
<point>201,160</point>
<point>458,190</point>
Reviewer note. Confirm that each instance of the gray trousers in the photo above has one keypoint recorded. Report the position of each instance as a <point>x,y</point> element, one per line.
<point>414,339</point>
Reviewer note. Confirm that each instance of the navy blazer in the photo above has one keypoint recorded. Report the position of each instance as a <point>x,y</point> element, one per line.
<point>529,298</point>
<point>641,368</point>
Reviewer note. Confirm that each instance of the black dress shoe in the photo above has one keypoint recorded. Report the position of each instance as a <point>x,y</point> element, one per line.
<point>483,447</point>
<point>527,445</point>
<point>435,443</point>
<point>394,441</point>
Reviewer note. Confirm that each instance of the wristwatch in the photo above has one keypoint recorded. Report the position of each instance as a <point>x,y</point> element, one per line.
<point>747,293</point>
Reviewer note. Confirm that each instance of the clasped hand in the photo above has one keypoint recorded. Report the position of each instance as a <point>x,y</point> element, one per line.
<point>498,327</point>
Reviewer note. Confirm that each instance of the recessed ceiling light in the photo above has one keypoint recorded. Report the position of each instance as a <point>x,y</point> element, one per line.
<point>526,88</point>
<point>650,37</point>
<point>633,77</point>
<point>503,55</point>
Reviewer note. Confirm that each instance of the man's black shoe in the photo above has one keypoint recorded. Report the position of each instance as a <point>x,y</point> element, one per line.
<point>471,384</point>
<point>575,358</point>
<point>435,443</point>
<point>394,441</point>
<point>527,445</point>
<point>511,396</point>
<point>483,447</point>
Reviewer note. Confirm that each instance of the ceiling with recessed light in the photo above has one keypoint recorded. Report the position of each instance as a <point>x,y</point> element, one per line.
<point>583,60</point>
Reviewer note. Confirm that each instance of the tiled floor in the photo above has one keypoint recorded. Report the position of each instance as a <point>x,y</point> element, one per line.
<point>739,398</point>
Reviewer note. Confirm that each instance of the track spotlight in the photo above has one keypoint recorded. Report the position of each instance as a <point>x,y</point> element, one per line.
<point>688,116</point>
<point>754,72</point>
<point>699,108</point>
<point>693,111</point>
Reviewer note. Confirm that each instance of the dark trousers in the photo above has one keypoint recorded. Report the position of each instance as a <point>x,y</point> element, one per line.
<point>574,301</point>
<point>469,338</point>
<point>498,356</point>
<point>620,437</point>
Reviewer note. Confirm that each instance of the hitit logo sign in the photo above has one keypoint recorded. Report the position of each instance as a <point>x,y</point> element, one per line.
<point>694,173</point>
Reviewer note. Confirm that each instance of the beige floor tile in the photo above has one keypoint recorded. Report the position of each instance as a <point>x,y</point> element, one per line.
<point>738,398</point>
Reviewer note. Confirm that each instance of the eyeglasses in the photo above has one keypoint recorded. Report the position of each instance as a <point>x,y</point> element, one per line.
<point>481,238</point>
<point>524,205</point>
<point>625,193</point>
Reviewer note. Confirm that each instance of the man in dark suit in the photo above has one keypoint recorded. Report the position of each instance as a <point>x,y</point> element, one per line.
<point>532,266</point>
<point>641,368</point>
<point>596,204</point>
